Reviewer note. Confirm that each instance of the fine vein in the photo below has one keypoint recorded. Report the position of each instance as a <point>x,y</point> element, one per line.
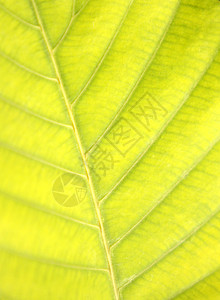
<point>160,132</point>
<point>105,53</point>
<point>169,191</point>
<point>172,249</point>
<point>137,83</point>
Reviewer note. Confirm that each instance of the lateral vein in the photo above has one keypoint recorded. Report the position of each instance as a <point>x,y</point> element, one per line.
<point>18,18</point>
<point>104,55</point>
<point>26,68</point>
<point>172,249</point>
<point>37,159</point>
<point>74,16</point>
<point>29,112</point>
<point>160,132</point>
<point>143,72</point>
<point>45,210</point>
<point>169,191</point>
<point>49,261</point>
<point>194,283</point>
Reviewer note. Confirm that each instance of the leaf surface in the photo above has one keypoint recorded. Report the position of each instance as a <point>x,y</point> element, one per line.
<point>109,149</point>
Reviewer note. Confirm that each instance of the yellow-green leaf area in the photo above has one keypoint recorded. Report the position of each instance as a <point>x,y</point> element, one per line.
<point>109,149</point>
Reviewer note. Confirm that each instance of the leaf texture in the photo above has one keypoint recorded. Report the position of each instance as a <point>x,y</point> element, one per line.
<point>109,149</point>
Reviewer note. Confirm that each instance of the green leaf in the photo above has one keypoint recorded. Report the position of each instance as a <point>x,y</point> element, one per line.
<point>109,149</point>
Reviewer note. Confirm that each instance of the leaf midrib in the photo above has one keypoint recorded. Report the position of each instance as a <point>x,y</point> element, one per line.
<point>68,106</point>
<point>79,144</point>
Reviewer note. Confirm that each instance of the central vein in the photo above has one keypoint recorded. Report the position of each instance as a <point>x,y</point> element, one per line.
<point>90,183</point>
